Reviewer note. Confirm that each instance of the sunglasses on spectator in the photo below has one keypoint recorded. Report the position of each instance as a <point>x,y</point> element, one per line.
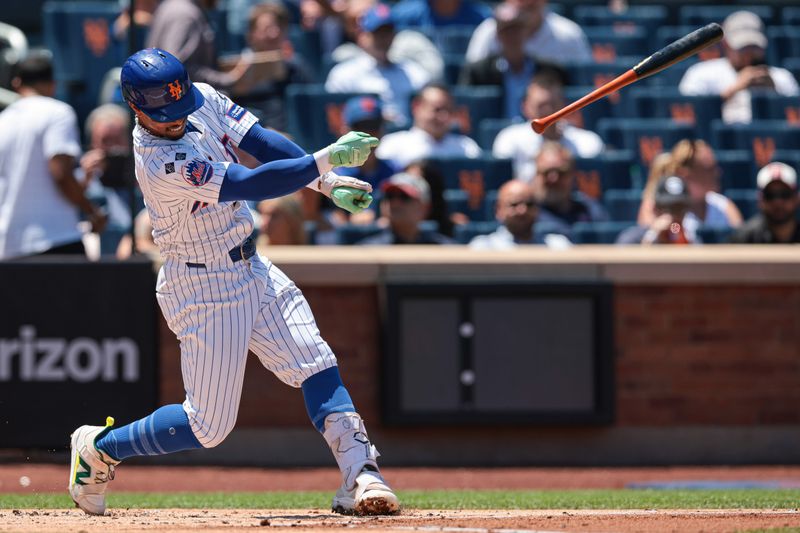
<point>562,171</point>
<point>782,194</point>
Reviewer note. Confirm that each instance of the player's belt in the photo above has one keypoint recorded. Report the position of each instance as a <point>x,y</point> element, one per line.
<point>246,250</point>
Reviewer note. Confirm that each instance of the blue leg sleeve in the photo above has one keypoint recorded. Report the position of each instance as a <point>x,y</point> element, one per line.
<point>165,431</point>
<point>324,394</point>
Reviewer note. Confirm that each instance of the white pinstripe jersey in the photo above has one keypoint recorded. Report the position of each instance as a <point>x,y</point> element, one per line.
<point>180,180</point>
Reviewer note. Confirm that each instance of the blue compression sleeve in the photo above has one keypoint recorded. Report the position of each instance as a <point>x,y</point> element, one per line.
<point>270,180</point>
<point>167,430</point>
<point>267,145</point>
<point>324,393</point>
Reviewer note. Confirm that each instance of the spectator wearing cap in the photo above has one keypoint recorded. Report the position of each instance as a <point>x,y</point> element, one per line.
<point>511,68</point>
<point>741,69</point>
<point>554,189</point>
<point>432,14</point>
<point>777,202</point>
<point>548,36</point>
<point>431,134</point>
<point>263,90</point>
<point>671,204</point>
<point>374,72</point>
<point>545,95</point>
<point>405,204</point>
<point>516,212</point>
<point>364,113</point>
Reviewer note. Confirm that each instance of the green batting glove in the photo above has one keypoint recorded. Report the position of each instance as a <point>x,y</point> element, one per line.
<point>351,149</point>
<point>350,199</point>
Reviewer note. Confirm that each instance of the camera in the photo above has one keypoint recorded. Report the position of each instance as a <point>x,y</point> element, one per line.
<point>118,169</point>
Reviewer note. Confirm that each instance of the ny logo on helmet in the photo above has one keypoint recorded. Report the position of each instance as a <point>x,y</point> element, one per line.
<point>175,89</point>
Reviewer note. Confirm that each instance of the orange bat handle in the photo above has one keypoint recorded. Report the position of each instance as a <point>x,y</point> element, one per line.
<point>541,124</point>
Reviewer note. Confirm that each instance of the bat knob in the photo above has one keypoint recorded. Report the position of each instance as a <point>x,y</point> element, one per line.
<point>539,125</point>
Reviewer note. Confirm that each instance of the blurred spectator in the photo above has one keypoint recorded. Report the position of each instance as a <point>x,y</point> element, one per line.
<point>554,189</point>
<point>548,36</point>
<point>742,68</point>
<point>263,90</point>
<point>143,233</point>
<point>373,71</point>
<point>108,170</point>
<point>516,212</point>
<point>39,143</point>
<point>777,202</point>
<point>281,221</point>
<point>511,69</point>
<point>432,14</point>
<point>520,143</point>
<point>142,19</point>
<point>182,28</point>
<point>405,203</point>
<point>671,204</point>
<point>430,136</point>
<point>660,167</point>
<point>694,162</point>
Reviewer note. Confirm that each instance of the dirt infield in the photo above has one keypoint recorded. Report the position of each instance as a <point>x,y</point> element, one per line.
<point>29,478</point>
<point>180,520</point>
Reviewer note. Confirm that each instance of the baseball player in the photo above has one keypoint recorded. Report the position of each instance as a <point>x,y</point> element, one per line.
<point>217,295</point>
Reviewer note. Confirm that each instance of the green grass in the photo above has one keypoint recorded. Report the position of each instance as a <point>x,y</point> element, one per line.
<point>440,499</point>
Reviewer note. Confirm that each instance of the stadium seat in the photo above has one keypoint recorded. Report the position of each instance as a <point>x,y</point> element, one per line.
<point>768,105</point>
<point>608,44</point>
<point>78,34</point>
<point>647,137</point>
<point>474,176</point>
<point>306,43</point>
<point>463,233</point>
<point>648,18</point>
<point>597,232</point>
<point>791,15</point>
<point>761,138</point>
<point>457,201</point>
<point>489,129</point>
<point>452,39</point>
<point>714,235</point>
<point>792,64</point>
<point>453,63</point>
<point>694,15</point>
<point>610,170</point>
<point>745,199</point>
<point>784,41</point>
<point>588,116</point>
<point>668,102</point>
<point>737,170</point>
<point>306,105</point>
<point>790,157</point>
<point>623,204</point>
<point>352,233</point>
<point>474,105</point>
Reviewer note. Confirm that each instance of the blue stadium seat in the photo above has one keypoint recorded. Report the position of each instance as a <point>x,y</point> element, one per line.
<point>306,43</point>
<point>737,170</point>
<point>648,18</point>
<point>457,201</point>
<point>714,235</point>
<point>623,204</point>
<point>306,105</point>
<point>452,39</point>
<point>489,129</point>
<point>474,176</point>
<point>453,63</point>
<point>464,233</point>
<point>78,34</point>
<point>761,138</point>
<point>647,137</point>
<point>669,103</point>
<point>745,199</point>
<point>791,15</point>
<point>694,15</point>
<point>792,64</point>
<point>610,170</point>
<point>351,233</point>
<point>474,105</point>
<point>768,105</point>
<point>597,232</point>
<point>608,44</point>
<point>784,42</point>
<point>588,116</point>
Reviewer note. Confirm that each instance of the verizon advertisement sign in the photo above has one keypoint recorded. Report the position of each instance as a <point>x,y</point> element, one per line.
<point>77,344</point>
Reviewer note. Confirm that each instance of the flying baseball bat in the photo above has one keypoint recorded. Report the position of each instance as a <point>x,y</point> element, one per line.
<point>669,55</point>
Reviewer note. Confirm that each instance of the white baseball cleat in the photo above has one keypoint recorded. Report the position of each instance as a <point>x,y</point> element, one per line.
<point>90,469</point>
<point>370,496</point>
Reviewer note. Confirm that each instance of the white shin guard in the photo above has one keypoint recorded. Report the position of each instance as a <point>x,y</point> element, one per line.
<point>347,437</point>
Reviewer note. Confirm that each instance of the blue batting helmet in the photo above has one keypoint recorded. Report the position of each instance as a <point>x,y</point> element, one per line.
<point>157,83</point>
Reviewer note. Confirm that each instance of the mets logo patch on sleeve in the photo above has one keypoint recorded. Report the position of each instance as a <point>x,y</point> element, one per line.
<point>236,112</point>
<point>197,172</point>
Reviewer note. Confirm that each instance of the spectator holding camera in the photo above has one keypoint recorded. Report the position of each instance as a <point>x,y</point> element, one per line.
<point>672,201</point>
<point>776,222</point>
<point>742,68</point>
